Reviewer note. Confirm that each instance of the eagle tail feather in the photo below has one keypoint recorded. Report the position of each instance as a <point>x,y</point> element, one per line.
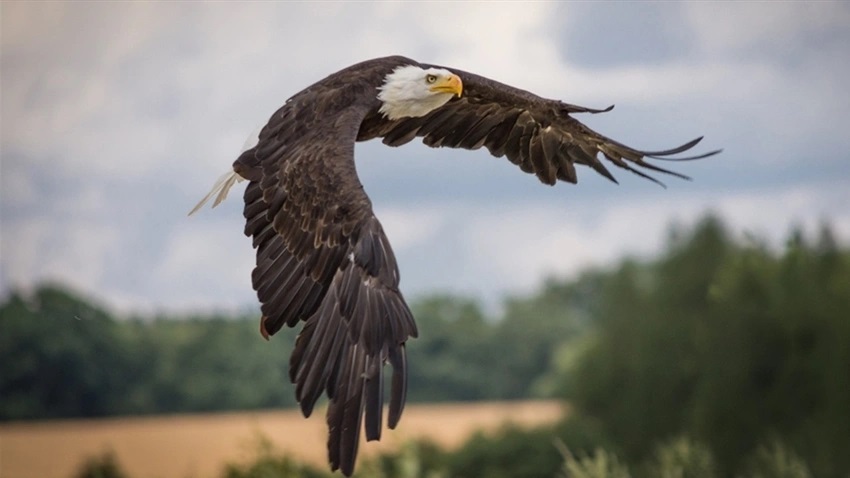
<point>219,189</point>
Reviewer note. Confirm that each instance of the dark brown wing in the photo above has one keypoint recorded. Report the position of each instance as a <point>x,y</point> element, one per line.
<point>323,257</point>
<point>535,133</point>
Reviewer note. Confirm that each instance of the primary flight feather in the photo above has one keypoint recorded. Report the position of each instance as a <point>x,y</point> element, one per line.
<point>322,256</point>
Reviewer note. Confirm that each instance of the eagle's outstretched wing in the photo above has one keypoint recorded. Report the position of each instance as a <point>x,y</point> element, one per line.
<point>537,134</point>
<point>323,257</point>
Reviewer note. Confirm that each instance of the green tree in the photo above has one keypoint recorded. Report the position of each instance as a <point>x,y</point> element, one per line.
<point>513,452</point>
<point>454,348</point>
<point>726,342</point>
<point>59,356</point>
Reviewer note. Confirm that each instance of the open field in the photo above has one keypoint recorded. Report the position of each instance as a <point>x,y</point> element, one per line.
<point>198,446</point>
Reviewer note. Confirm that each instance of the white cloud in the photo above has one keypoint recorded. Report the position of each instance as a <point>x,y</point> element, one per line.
<point>17,186</point>
<point>20,249</point>
<point>80,258</point>
<point>513,247</point>
<point>410,228</point>
<point>203,260</point>
<point>734,26</point>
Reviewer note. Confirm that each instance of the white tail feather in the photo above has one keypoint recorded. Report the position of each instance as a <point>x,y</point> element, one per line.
<point>221,187</point>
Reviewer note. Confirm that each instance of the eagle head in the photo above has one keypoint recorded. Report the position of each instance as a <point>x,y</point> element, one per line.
<point>411,91</point>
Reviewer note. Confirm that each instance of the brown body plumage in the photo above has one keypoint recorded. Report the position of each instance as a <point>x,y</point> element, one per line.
<point>322,256</point>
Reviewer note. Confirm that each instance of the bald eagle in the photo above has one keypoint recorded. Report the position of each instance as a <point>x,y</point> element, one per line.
<point>322,256</point>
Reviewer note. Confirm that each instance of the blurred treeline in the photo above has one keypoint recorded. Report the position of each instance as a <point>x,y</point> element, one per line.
<point>721,357</point>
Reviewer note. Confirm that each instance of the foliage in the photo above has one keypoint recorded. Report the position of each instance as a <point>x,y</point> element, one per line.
<point>270,463</point>
<point>775,460</point>
<point>61,356</point>
<point>683,458</point>
<point>103,466</point>
<point>52,351</point>
<point>513,452</point>
<point>600,465</point>
<point>727,343</point>
<point>459,350</point>
<point>415,459</point>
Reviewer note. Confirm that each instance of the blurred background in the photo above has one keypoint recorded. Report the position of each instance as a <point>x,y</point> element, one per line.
<point>700,329</point>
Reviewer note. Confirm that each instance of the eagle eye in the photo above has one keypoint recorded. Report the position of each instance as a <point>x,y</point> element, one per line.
<point>431,78</point>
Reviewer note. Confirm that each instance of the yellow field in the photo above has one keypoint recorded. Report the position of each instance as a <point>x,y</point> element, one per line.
<point>198,446</point>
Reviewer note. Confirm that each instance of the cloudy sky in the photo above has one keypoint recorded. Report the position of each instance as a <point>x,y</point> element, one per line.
<point>117,117</point>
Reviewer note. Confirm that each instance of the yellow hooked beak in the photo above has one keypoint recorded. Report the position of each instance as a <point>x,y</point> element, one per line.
<point>449,84</point>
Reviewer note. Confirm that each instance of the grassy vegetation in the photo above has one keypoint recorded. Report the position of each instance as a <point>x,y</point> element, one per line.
<point>678,458</point>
